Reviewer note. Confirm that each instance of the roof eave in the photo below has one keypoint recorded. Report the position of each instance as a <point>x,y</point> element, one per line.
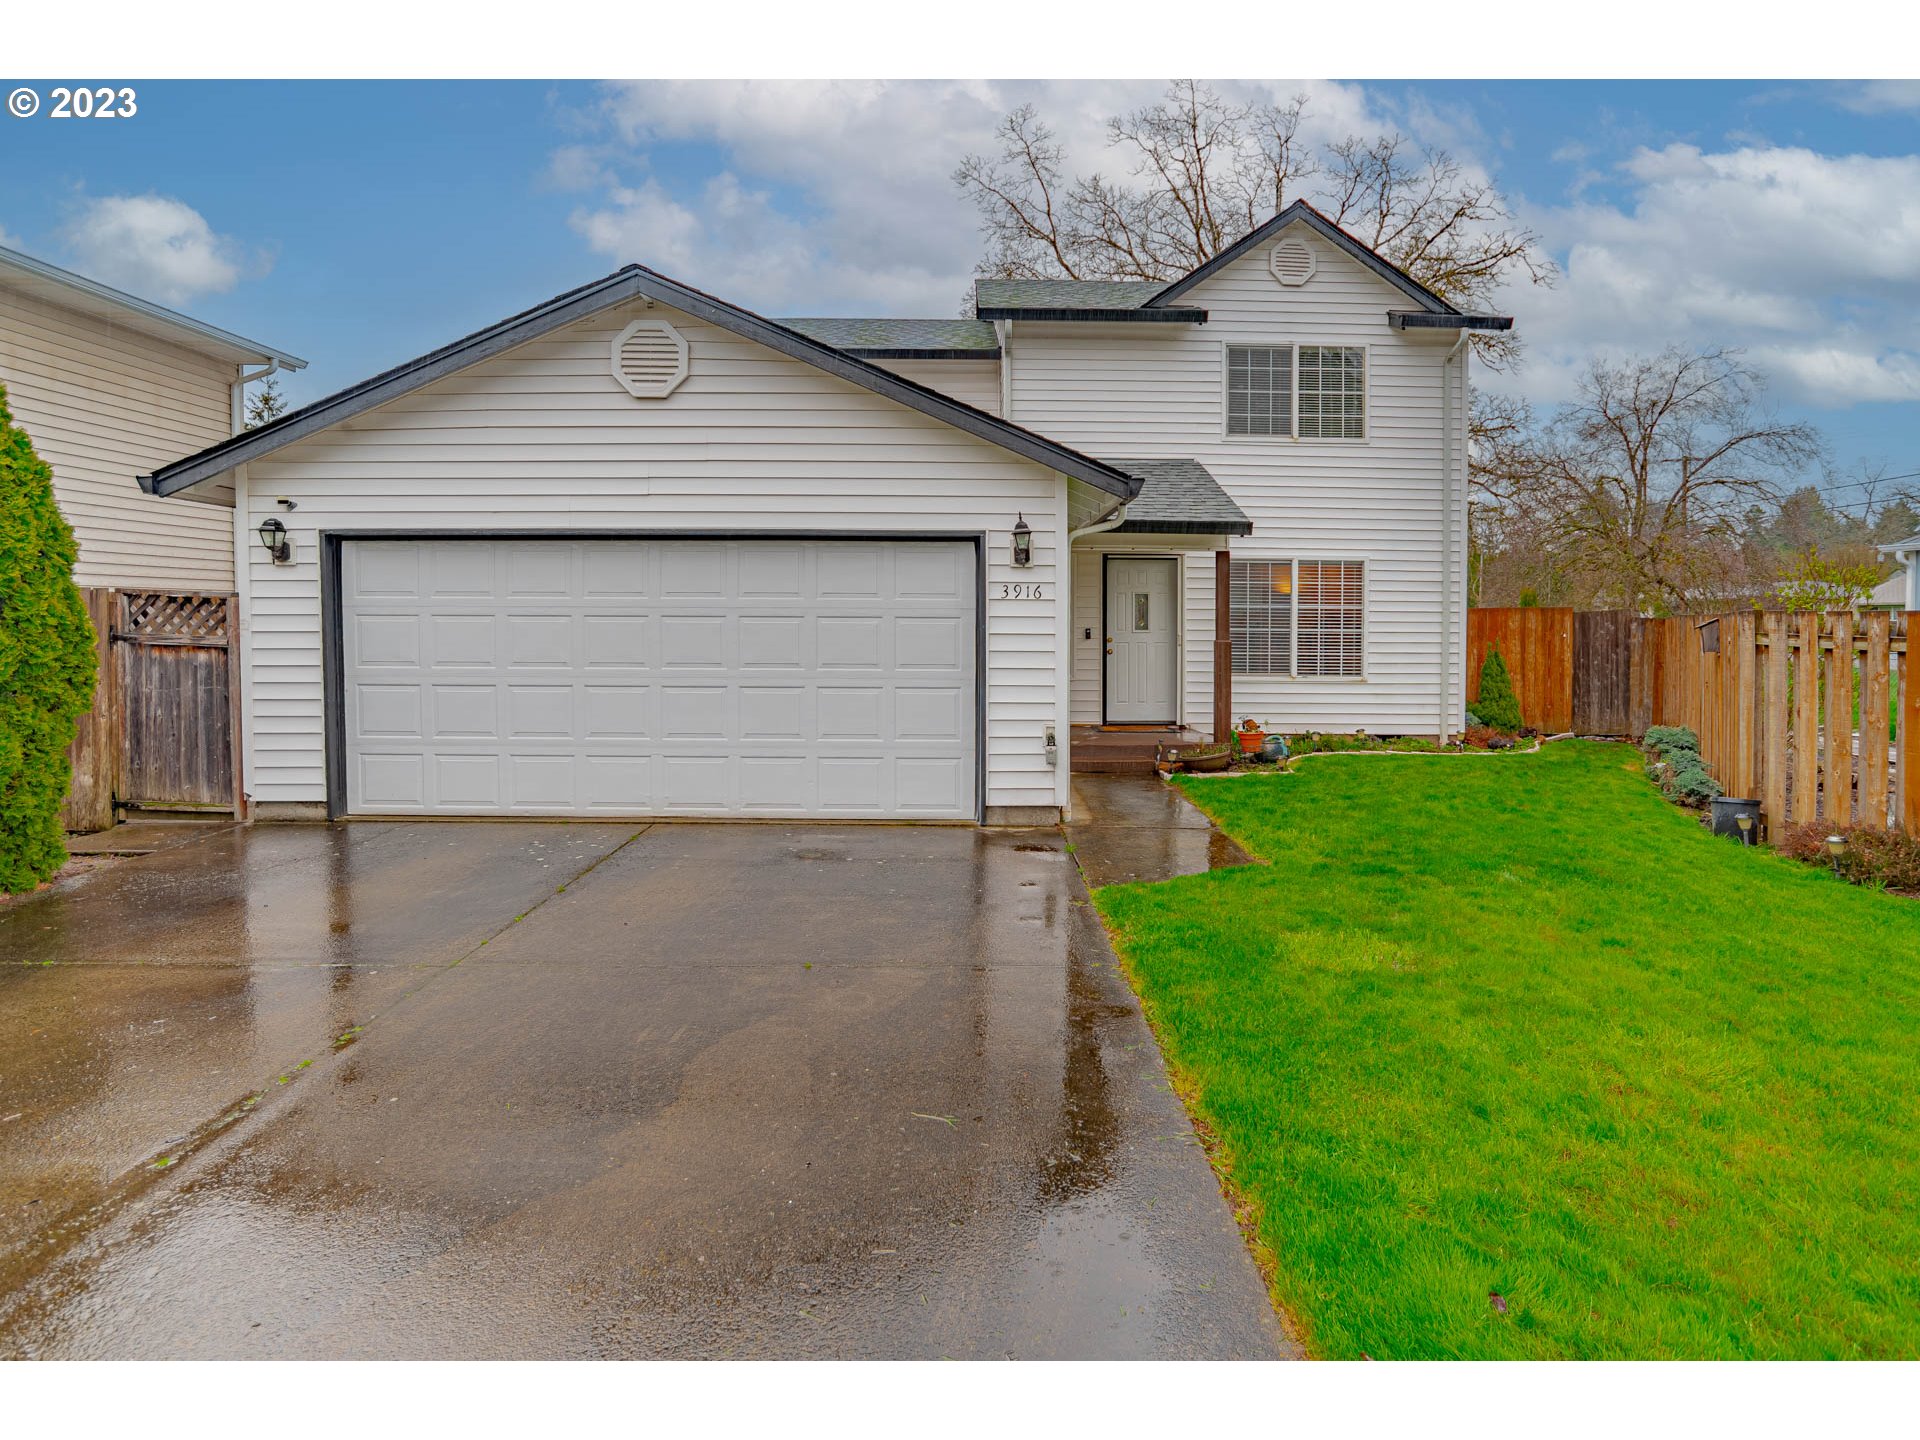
<point>1112,315</point>
<point>630,282</point>
<point>1428,320</point>
<point>185,327</point>
<point>1237,528</point>
<point>873,352</point>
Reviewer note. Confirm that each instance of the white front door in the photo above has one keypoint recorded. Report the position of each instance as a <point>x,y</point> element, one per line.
<point>1143,654</point>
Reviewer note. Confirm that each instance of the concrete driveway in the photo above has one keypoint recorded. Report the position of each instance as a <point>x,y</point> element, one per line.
<point>527,1090</point>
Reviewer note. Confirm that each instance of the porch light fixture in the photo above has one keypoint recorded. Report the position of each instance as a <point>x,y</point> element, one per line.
<point>274,536</point>
<point>1022,543</point>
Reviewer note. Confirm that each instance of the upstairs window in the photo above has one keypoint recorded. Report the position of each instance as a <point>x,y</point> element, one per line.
<point>1298,617</point>
<point>1304,392</point>
<point>1260,390</point>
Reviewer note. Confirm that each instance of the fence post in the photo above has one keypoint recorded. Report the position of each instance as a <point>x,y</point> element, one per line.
<point>1875,709</point>
<point>1774,802</point>
<point>1840,722</point>
<point>1910,734</point>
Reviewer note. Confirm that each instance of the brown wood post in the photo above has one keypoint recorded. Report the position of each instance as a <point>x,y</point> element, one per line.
<point>1222,644</point>
<point>1806,720</point>
<point>1875,710</point>
<point>1910,732</point>
<point>89,802</point>
<point>1742,771</point>
<point>1840,721</point>
<point>1774,783</point>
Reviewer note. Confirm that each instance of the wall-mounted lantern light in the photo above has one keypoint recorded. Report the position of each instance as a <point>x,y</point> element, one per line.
<point>274,536</point>
<point>1022,543</point>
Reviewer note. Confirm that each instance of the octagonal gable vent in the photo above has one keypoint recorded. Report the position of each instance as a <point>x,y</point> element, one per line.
<point>1292,262</point>
<point>650,359</point>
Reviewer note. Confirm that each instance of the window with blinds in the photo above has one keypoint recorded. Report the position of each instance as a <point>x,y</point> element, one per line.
<point>1332,617</point>
<point>1260,390</point>
<point>1333,392</point>
<point>1306,392</point>
<point>1297,617</point>
<point>1260,616</point>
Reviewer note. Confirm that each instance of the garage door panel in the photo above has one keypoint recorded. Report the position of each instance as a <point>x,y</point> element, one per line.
<point>661,677</point>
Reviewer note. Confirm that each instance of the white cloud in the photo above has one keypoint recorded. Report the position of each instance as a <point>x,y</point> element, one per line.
<point>1809,262</point>
<point>1877,97</point>
<point>155,247</point>
<point>837,198</point>
<point>9,239</point>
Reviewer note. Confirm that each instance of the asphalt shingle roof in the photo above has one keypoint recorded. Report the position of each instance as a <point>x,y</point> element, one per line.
<point>858,334</point>
<point>1065,294</point>
<point>1180,497</point>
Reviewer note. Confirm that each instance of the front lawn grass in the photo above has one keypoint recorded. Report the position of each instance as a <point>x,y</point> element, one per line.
<point>1517,1027</point>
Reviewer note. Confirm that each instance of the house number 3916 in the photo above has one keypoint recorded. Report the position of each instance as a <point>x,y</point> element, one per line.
<point>1020,590</point>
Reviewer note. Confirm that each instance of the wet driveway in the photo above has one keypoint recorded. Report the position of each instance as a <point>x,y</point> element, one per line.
<point>519,1090</point>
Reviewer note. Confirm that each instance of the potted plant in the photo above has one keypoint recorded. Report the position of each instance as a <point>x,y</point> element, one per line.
<point>1205,759</point>
<point>1251,736</point>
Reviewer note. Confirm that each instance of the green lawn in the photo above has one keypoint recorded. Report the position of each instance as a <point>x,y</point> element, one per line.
<point>1517,1026</point>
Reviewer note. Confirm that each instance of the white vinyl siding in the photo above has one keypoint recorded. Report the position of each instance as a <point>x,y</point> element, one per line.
<point>1160,391</point>
<point>972,382</point>
<point>543,438</point>
<point>102,404</point>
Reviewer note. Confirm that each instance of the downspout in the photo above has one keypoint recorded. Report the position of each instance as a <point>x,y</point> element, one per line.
<point>1448,636</point>
<point>239,391</point>
<point>1003,337</point>
<point>1112,520</point>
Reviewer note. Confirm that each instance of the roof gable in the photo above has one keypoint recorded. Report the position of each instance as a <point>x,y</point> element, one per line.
<point>1300,212</point>
<point>629,283</point>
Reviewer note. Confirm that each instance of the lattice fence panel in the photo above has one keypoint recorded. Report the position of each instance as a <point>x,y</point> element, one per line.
<point>155,615</point>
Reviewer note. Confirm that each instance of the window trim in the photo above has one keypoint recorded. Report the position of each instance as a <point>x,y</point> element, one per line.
<point>1292,672</point>
<point>1293,436</point>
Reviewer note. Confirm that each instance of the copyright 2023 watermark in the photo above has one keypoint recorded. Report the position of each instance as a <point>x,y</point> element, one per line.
<point>74,102</point>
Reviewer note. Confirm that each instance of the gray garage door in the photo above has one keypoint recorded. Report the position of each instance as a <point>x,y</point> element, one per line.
<point>660,677</point>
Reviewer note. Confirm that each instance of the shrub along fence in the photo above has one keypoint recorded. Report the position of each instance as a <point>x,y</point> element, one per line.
<point>1816,716</point>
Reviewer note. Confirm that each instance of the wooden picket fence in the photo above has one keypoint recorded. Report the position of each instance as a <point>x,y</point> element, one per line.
<point>1816,716</point>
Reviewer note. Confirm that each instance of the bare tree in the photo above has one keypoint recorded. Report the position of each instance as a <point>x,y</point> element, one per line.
<point>1202,171</point>
<point>1644,484</point>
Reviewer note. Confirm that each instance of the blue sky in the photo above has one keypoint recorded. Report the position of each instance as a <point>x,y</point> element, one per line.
<point>358,224</point>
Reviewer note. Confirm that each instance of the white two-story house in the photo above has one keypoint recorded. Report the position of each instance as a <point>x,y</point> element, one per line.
<point>637,551</point>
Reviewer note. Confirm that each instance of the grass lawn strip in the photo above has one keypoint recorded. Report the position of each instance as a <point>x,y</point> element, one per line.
<point>1519,1062</point>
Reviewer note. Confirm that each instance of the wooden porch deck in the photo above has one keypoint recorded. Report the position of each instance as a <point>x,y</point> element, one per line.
<point>1129,750</point>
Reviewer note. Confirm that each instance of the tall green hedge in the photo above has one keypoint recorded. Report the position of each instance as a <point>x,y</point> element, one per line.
<point>46,661</point>
<point>1497,706</point>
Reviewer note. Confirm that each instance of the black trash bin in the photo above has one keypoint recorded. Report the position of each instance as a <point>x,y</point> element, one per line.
<point>1726,819</point>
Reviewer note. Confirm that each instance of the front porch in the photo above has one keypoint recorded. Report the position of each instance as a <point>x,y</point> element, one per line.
<point>1126,750</point>
<point>1151,657</point>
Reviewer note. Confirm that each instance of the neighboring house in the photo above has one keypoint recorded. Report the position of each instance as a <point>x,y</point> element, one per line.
<point>108,386</point>
<point>1902,589</point>
<point>637,551</point>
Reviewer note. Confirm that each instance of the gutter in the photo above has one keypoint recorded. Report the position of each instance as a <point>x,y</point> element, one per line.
<point>239,392</point>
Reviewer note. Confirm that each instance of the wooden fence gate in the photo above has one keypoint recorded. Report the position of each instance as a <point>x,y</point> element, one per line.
<point>163,732</point>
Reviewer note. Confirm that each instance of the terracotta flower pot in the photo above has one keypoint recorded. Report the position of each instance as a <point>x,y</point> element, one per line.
<point>1250,741</point>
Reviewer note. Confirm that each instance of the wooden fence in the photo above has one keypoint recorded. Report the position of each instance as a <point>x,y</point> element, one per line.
<point>1816,716</point>
<point>1537,643</point>
<point>164,729</point>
